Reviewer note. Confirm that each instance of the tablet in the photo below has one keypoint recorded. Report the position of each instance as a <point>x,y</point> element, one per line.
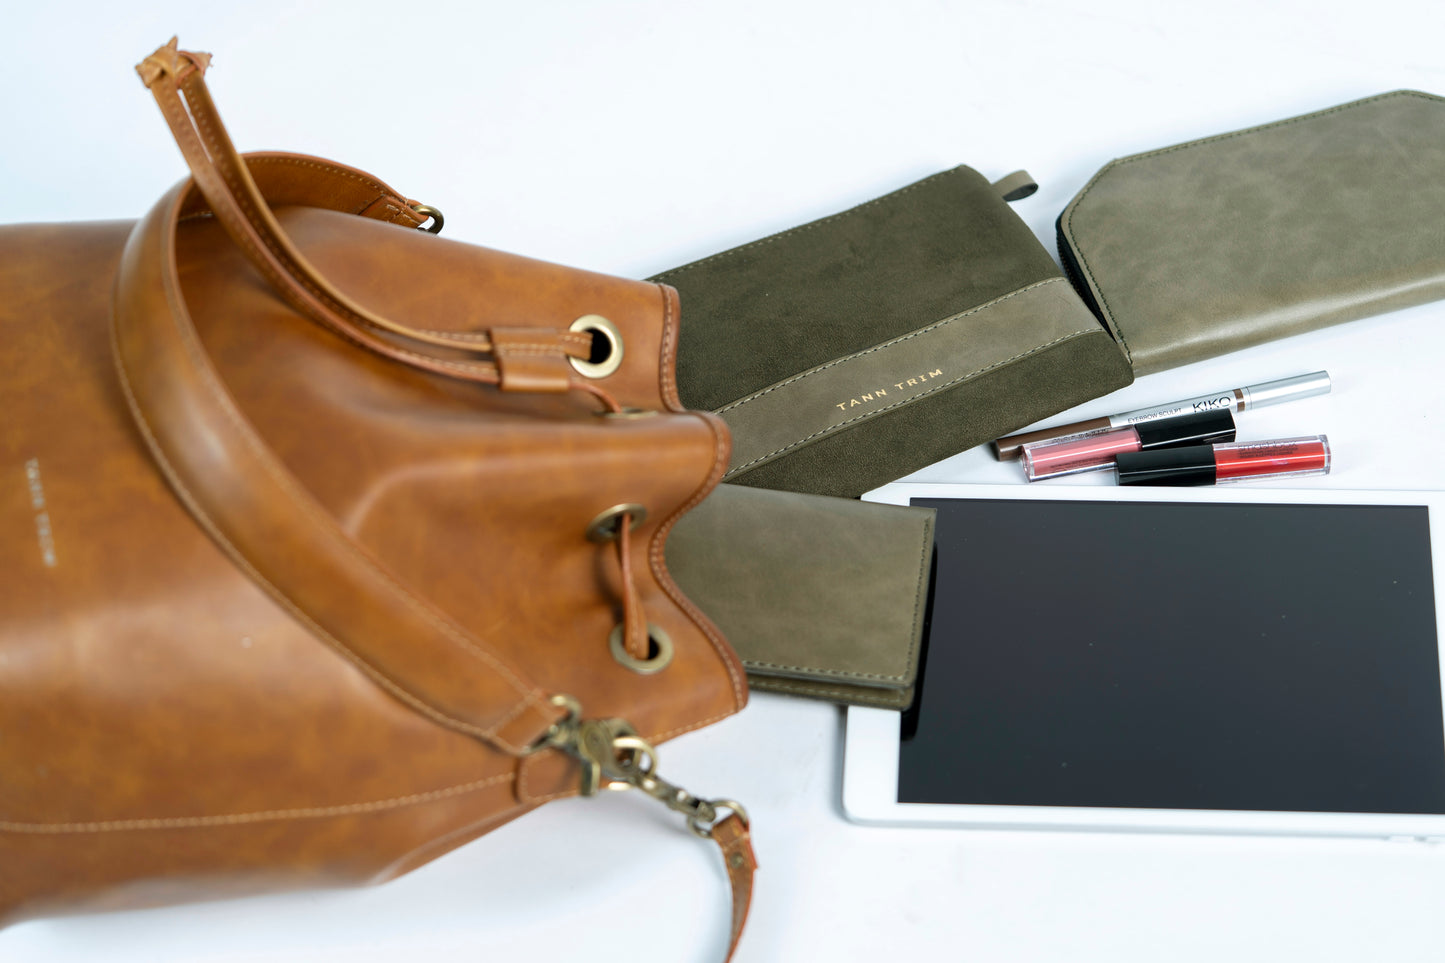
<point>1181,660</point>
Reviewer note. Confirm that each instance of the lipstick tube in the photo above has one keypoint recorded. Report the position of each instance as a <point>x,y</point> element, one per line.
<point>1222,464</point>
<point>1231,399</point>
<point>1096,452</point>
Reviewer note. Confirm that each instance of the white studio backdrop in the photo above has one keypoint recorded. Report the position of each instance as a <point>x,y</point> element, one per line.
<point>632,137</point>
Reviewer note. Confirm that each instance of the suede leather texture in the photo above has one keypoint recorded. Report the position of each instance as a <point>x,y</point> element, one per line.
<point>855,286</point>
<point>1219,244</point>
<point>821,597</point>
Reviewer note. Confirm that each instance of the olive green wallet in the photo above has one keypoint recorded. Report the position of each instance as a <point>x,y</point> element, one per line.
<point>821,597</point>
<point>858,348</point>
<point>1230,241</point>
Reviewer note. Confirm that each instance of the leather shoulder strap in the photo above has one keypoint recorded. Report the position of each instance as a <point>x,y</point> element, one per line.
<point>260,514</point>
<point>242,493</point>
<point>176,78</point>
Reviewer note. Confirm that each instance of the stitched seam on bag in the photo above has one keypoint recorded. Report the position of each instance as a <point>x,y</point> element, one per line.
<point>479,337</point>
<point>328,300</point>
<point>669,336</point>
<point>732,252</point>
<point>400,214</point>
<point>269,815</point>
<point>530,349</point>
<point>178,310</point>
<point>747,399</point>
<point>524,794</point>
<point>1203,142</point>
<point>377,186</point>
<point>438,845</point>
<point>656,560</point>
<point>899,404</point>
<point>539,800</point>
<point>664,579</point>
<point>386,350</point>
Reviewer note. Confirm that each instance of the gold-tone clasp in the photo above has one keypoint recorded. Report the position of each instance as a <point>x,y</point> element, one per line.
<point>613,756</point>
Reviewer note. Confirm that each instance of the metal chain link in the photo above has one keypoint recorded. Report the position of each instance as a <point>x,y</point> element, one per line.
<point>613,756</point>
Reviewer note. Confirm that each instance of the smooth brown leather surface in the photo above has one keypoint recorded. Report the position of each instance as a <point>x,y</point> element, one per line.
<point>172,725</point>
<point>1218,244</point>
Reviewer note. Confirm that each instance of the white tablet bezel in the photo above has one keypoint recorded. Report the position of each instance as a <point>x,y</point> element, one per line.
<point>870,771</point>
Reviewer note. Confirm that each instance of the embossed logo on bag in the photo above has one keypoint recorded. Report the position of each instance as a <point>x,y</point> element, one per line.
<point>901,388</point>
<point>42,517</point>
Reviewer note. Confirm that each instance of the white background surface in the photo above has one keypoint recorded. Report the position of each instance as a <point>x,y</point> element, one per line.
<point>632,137</point>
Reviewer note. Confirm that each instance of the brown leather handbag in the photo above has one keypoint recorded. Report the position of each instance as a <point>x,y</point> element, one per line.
<point>328,545</point>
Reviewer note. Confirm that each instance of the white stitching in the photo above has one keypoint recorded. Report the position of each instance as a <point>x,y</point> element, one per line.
<point>272,815</point>
<point>908,401</point>
<point>886,344</point>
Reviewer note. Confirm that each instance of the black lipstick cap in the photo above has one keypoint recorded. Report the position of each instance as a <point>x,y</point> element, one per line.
<point>1178,467</point>
<point>1205,428</point>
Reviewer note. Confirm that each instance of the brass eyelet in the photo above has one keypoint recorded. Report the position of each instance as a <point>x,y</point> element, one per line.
<point>661,656</point>
<point>601,364</point>
<point>604,528</point>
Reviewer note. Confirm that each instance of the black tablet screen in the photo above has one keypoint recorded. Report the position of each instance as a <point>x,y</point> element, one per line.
<point>1180,656</point>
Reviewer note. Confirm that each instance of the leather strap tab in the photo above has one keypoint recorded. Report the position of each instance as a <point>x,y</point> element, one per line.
<point>531,360</point>
<point>1016,186</point>
<point>634,621</point>
<point>176,79</point>
<point>736,844</point>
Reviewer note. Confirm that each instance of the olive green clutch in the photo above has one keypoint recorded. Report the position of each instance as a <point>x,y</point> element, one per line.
<point>821,597</point>
<point>853,350</point>
<point>1218,244</point>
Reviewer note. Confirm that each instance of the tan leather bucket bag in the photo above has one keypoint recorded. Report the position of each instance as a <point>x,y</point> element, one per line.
<point>328,544</point>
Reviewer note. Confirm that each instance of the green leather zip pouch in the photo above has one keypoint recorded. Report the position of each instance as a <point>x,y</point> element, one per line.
<point>821,597</point>
<point>1218,244</point>
<point>853,350</point>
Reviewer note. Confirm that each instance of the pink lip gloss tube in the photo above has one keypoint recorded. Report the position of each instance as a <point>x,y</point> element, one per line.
<point>1221,464</point>
<point>1070,456</point>
<point>1235,399</point>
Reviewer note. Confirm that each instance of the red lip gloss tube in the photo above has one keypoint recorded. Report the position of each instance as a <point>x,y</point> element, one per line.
<point>1220,464</point>
<point>1070,456</point>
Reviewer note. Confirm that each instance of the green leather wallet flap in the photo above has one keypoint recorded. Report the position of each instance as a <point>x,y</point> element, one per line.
<point>1218,244</point>
<point>853,350</point>
<point>824,597</point>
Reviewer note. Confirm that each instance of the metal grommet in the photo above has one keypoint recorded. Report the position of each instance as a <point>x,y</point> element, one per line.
<point>604,527</point>
<point>426,210</point>
<point>656,662</point>
<point>606,346</point>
